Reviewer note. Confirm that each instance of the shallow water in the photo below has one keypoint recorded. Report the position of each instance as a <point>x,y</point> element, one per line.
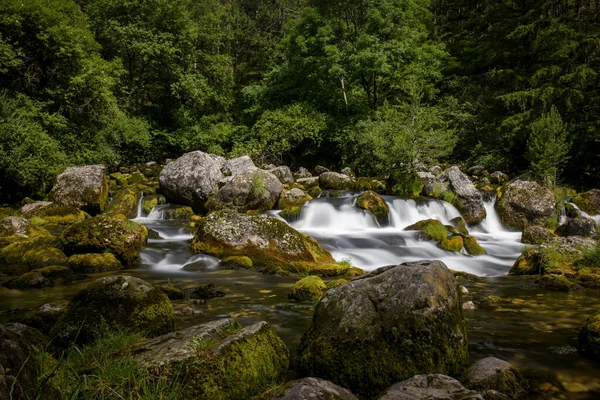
<point>534,329</point>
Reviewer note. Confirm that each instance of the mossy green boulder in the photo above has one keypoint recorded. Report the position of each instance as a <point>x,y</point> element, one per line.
<point>310,288</point>
<point>448,237</point>
<point>589,338</point>
<point>51,215</point>
<point>124,202</point>
<point>151,201</point>
<point>536,235</point>
<point>114,302</point>
<point>218,360</point>
<point>36,245</point>
<point>82,187</point>
<point>104,233</point>
<point>386,326</point>
<point>29,280</point>
<point>472,246</point>
<point>271,244</point>
<point>491,373</point>
<point>372,202</point>
<point>454,244</point>
<point>526,203</point>
<point>93,262</point>
<point>588,201</point>
<point>291,201</point>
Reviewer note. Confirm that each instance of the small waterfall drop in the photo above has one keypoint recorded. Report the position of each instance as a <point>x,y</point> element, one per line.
<point>158,212</point>
<point>595,217</point>
<point>407,212</point>
<point>140,211</point>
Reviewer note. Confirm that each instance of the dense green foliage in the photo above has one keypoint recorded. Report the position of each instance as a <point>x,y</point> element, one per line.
<point>383,86</point>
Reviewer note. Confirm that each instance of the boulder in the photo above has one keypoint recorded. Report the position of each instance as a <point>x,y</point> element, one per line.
<point>309,182</point>
<point>103,234</point>
<point>302,173</point>
<point>291,201</point>
<point>52,215</point>
<point>430,387</point>
<point>589,338</point>
<point>308,388</point>
<point>498,178</point>
<point>347,171</point>
<point>491,373</point>
<point>334,181</point>
<point>284,175</point>
<point>237,166</point>
<point>254,190</point>
<point>271,244</point>
<point>38,250</point>
<point>44,317</point>
<point>124,202</point>
<point>373,203</point>
<point>191,178</point>
<point>206,292</point>
<point>172,291</point>
<point>32,209</point>
<point>310,288</point>
<point>469,201</point>
<point>319,169</point>
<point>477,170</point>
<point>526,203</point>
<point>151,201</point>
<point>218,360</point>
<point>536,235</point>
<point>94,262</point>
<point>588,201</point>
<point>15,226</point>
<point>82,187</point>
<point>386,326</point>
<point>171,212</point>
<point>112,302</point>
<point>29,280</point>
<point>585,227</point>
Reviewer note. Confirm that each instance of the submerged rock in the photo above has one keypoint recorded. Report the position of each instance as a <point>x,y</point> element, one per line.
<point>271,244</point>
<point>112,302</point>
<point>386,326</point>
<point>308,388</point>
<point>372,202</point>
<point>491,373</point>
<point>191,178</point>
<point>82,187</point>
<point>430,387</point>
<point>526,203</point>
<point>206,292</point>
<point>589,338</point>
<point>218,360</point>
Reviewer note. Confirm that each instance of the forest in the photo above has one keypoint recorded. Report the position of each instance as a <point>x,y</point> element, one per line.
<point>381,86</point>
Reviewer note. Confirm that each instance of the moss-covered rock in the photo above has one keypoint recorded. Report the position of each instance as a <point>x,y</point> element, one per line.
<point>310,288</point>
<point>271,244</point>
<point>460,225</point>
<point>454,244</point>
<point>558,283</point>
<point>386,326</point>
<point>335,283</point>
<point>373,203</point>
<point>43,257</point>
<point>17,229</point>
<point>432,387</point>
<point>472,246</point>
<point>112,302</point>
<point>29,280</point>
<point>172,212</point>
<point>588,201</point>
<point>315,192</point>
<point>151,201</point>
<point>103,234</point>
<point>218,360</point>
<point>44,317</point>
<point>51,215</point>
<point>525,203</point>
<point>494,374</point>
<point>580,226</point>
<point>293,198</point>
<point>12,260</point>
<point>238,262</point>
<point>205,292</point>
<point>172,291</point>
<point>93,262</point>
<point>124,202</point>
<point>536,235</point>
<point>362,184</point>
<point>54,272</point>
<point>589,338</point>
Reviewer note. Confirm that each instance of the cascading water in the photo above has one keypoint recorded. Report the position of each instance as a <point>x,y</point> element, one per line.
<point>595,217</point>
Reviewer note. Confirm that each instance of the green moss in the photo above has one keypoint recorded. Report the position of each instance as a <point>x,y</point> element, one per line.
<point>493,300</point>
<point>119,178</point>
<point>589,338</point>
<point>335,283</point>
<point>7,212</point>
<point>29,280</point>
<point>290,214</point>
<point>419,226</point>
<point>239,261</point>
<point>454,244</point>
<point>151,201</point>
<point>314,192</point>
<point>373,203</point>
<point>172,291</point>
<point>12,256</point>
<point>53,272</point>
<point>124,202</point>
<point>93,262</point>
<point>363,183</point>
<point>465,276</point>
<point>43,320</point>
<point>508,382</point>
<point>43,257</point>
<point>558,283</point>
<point>310,288</point>
<point>450,197</point>
<point>472,246</point>
<point>436,232</point>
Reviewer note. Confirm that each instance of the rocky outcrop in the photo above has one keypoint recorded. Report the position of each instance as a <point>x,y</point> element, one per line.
<point>124,202</point>
<point>334,181</point>
<point>494,374</point>
<point>254,190</point>
<point>82,187</point>
<point>191,178</point>
<point>308,388</point>
<point>284,174</point>
<point>588,201</point>
<point>525,203</point>
<point>112,302</point>
<point>585,227</point>
<point>469,201</point>
<point>52,215</point>
<point>386,326</point>
<point>103,234</point>
<point>218,360</point>
<point>271,244</point>
<point>237,166</point>
<point>430,387</point>
<point>373,203</point>
<point>589,338</point>
<point>498,178</point>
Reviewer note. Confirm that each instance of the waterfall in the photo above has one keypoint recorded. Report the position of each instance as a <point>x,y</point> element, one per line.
<point>595,217</point>
<point>140,212</point>
<point>158,212</point>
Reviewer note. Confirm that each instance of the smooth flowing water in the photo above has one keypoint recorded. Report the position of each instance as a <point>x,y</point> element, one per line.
<point>533,328</point>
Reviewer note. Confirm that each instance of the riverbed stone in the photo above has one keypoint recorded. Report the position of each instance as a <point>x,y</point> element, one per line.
<point>430,387</point>
<point>588,201</point>
<point>589,337</point>
<point>82,187</point>
<point>191,178</point>
<point>43,317</point>
<point>302,173</point>
<point>310,288</point>
<point>585,227</point>
<point>334,181</point>
<point>29,280</point>
<point>308,388</point>
<point>104,233</point>
<point>271,244</point>
<point>93,262</point>
<point>374,203</point>
<point>291,201</point>
<point>525,203</point>
<point>254,190</point>
<point>491,373</point>
<point>284,174</point>
<point>218,360</point>
<point>386,326</point>
<point>112,302</point>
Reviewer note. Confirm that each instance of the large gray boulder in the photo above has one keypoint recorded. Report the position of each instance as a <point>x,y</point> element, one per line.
<point>491,373</point>
<point>218,360</point>
<point>191,178</point>
<point>114,301</point>
<point>334,181</point>
<point>254,189</point>
<point>309,388</point>
<point>469,201</point>
<point>526,203</point>
<point>284,174</point>
<point>430,387</point>
<point>387,326</point>
<point>237,166</point>
<point>82,187</point>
